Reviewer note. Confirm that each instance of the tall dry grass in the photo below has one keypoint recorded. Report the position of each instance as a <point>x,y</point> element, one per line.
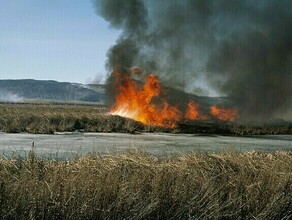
<point>136,185</point>
<point>49,118</point>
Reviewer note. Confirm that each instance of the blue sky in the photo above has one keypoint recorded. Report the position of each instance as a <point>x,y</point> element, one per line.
<point>61,40</point>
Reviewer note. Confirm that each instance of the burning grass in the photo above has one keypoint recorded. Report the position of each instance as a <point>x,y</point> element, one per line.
<point>146,103</point>
<point>47,118</point>
<point>136,185</point>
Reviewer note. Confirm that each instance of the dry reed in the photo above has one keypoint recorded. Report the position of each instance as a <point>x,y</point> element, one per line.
<point>47,118</point>
<point>136,185</point>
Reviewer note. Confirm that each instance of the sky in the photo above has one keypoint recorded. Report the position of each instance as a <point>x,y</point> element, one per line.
<point>53,40</point>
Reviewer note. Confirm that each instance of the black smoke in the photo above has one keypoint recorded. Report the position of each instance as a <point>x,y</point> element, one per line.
<point>240,48</point>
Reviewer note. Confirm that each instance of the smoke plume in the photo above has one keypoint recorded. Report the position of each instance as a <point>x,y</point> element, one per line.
<point>241,49</point>
<point>9,97</point>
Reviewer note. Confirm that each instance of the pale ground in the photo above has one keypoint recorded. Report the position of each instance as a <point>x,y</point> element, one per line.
<point>68,145</point>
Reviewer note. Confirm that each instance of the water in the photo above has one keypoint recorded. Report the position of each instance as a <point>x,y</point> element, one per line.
<point>68,145</point>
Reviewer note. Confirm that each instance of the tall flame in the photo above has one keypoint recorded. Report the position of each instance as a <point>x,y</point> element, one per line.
<point>144,103</point>
<point>140,104</point>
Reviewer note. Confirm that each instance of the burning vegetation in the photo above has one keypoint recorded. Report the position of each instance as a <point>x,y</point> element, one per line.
<point>240,50</point>
<point>224,114</point>
<point>145,102</point>
<point>47,118</point>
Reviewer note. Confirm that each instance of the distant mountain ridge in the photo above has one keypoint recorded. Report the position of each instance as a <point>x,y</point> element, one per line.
<point>29,89</point>
<point>23,90</point>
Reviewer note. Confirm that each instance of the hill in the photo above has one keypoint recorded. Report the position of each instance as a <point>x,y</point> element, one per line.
<point>28,89</point>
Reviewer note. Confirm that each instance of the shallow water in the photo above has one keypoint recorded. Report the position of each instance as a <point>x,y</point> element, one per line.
<point>68,145</point>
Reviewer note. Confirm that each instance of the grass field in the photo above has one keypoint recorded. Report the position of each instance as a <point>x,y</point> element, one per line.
<point>135,185</point>
<point>47,118</point>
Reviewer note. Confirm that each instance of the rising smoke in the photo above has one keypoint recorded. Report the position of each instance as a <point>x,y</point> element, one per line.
<point>241,49</point>
<point>6,96</point>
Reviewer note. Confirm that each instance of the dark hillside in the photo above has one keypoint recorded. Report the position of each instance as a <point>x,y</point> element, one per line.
<point>27,89</point>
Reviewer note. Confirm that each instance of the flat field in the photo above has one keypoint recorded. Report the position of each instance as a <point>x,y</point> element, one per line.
<point>47,118</point>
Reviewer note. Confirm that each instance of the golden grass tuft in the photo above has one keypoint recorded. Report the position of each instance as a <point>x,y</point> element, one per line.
<point>136,185</point>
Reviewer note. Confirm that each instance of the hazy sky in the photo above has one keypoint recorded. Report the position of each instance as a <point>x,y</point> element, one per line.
<point>61,40</point>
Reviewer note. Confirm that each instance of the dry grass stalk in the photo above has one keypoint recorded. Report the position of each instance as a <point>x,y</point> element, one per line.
<point>136,185</point>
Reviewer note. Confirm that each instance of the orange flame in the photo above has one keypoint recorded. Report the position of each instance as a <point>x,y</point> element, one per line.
<point>140,104</point>
<point>193,112</point>
<point>224,114</point>
<point>144,103</point>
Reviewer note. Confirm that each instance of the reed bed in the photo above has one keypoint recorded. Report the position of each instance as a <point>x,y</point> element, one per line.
<point>136,185</point>
<point>47,118</point>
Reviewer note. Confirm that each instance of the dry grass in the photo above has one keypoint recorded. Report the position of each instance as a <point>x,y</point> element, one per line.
<point>136,185</point>
<point>49,118</point>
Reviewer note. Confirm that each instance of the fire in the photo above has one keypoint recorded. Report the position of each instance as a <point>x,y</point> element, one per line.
<point>193,112</point>
<point>136,70</point>
<point>224,114</point>
<point>144,102</point>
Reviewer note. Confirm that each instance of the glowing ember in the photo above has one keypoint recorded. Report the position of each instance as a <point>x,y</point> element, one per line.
<point>193,112</point>
<point>224,114</point>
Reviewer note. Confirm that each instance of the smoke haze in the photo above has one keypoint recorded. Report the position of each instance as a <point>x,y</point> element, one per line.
<point>9,97</point>
<point>241,49</point>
